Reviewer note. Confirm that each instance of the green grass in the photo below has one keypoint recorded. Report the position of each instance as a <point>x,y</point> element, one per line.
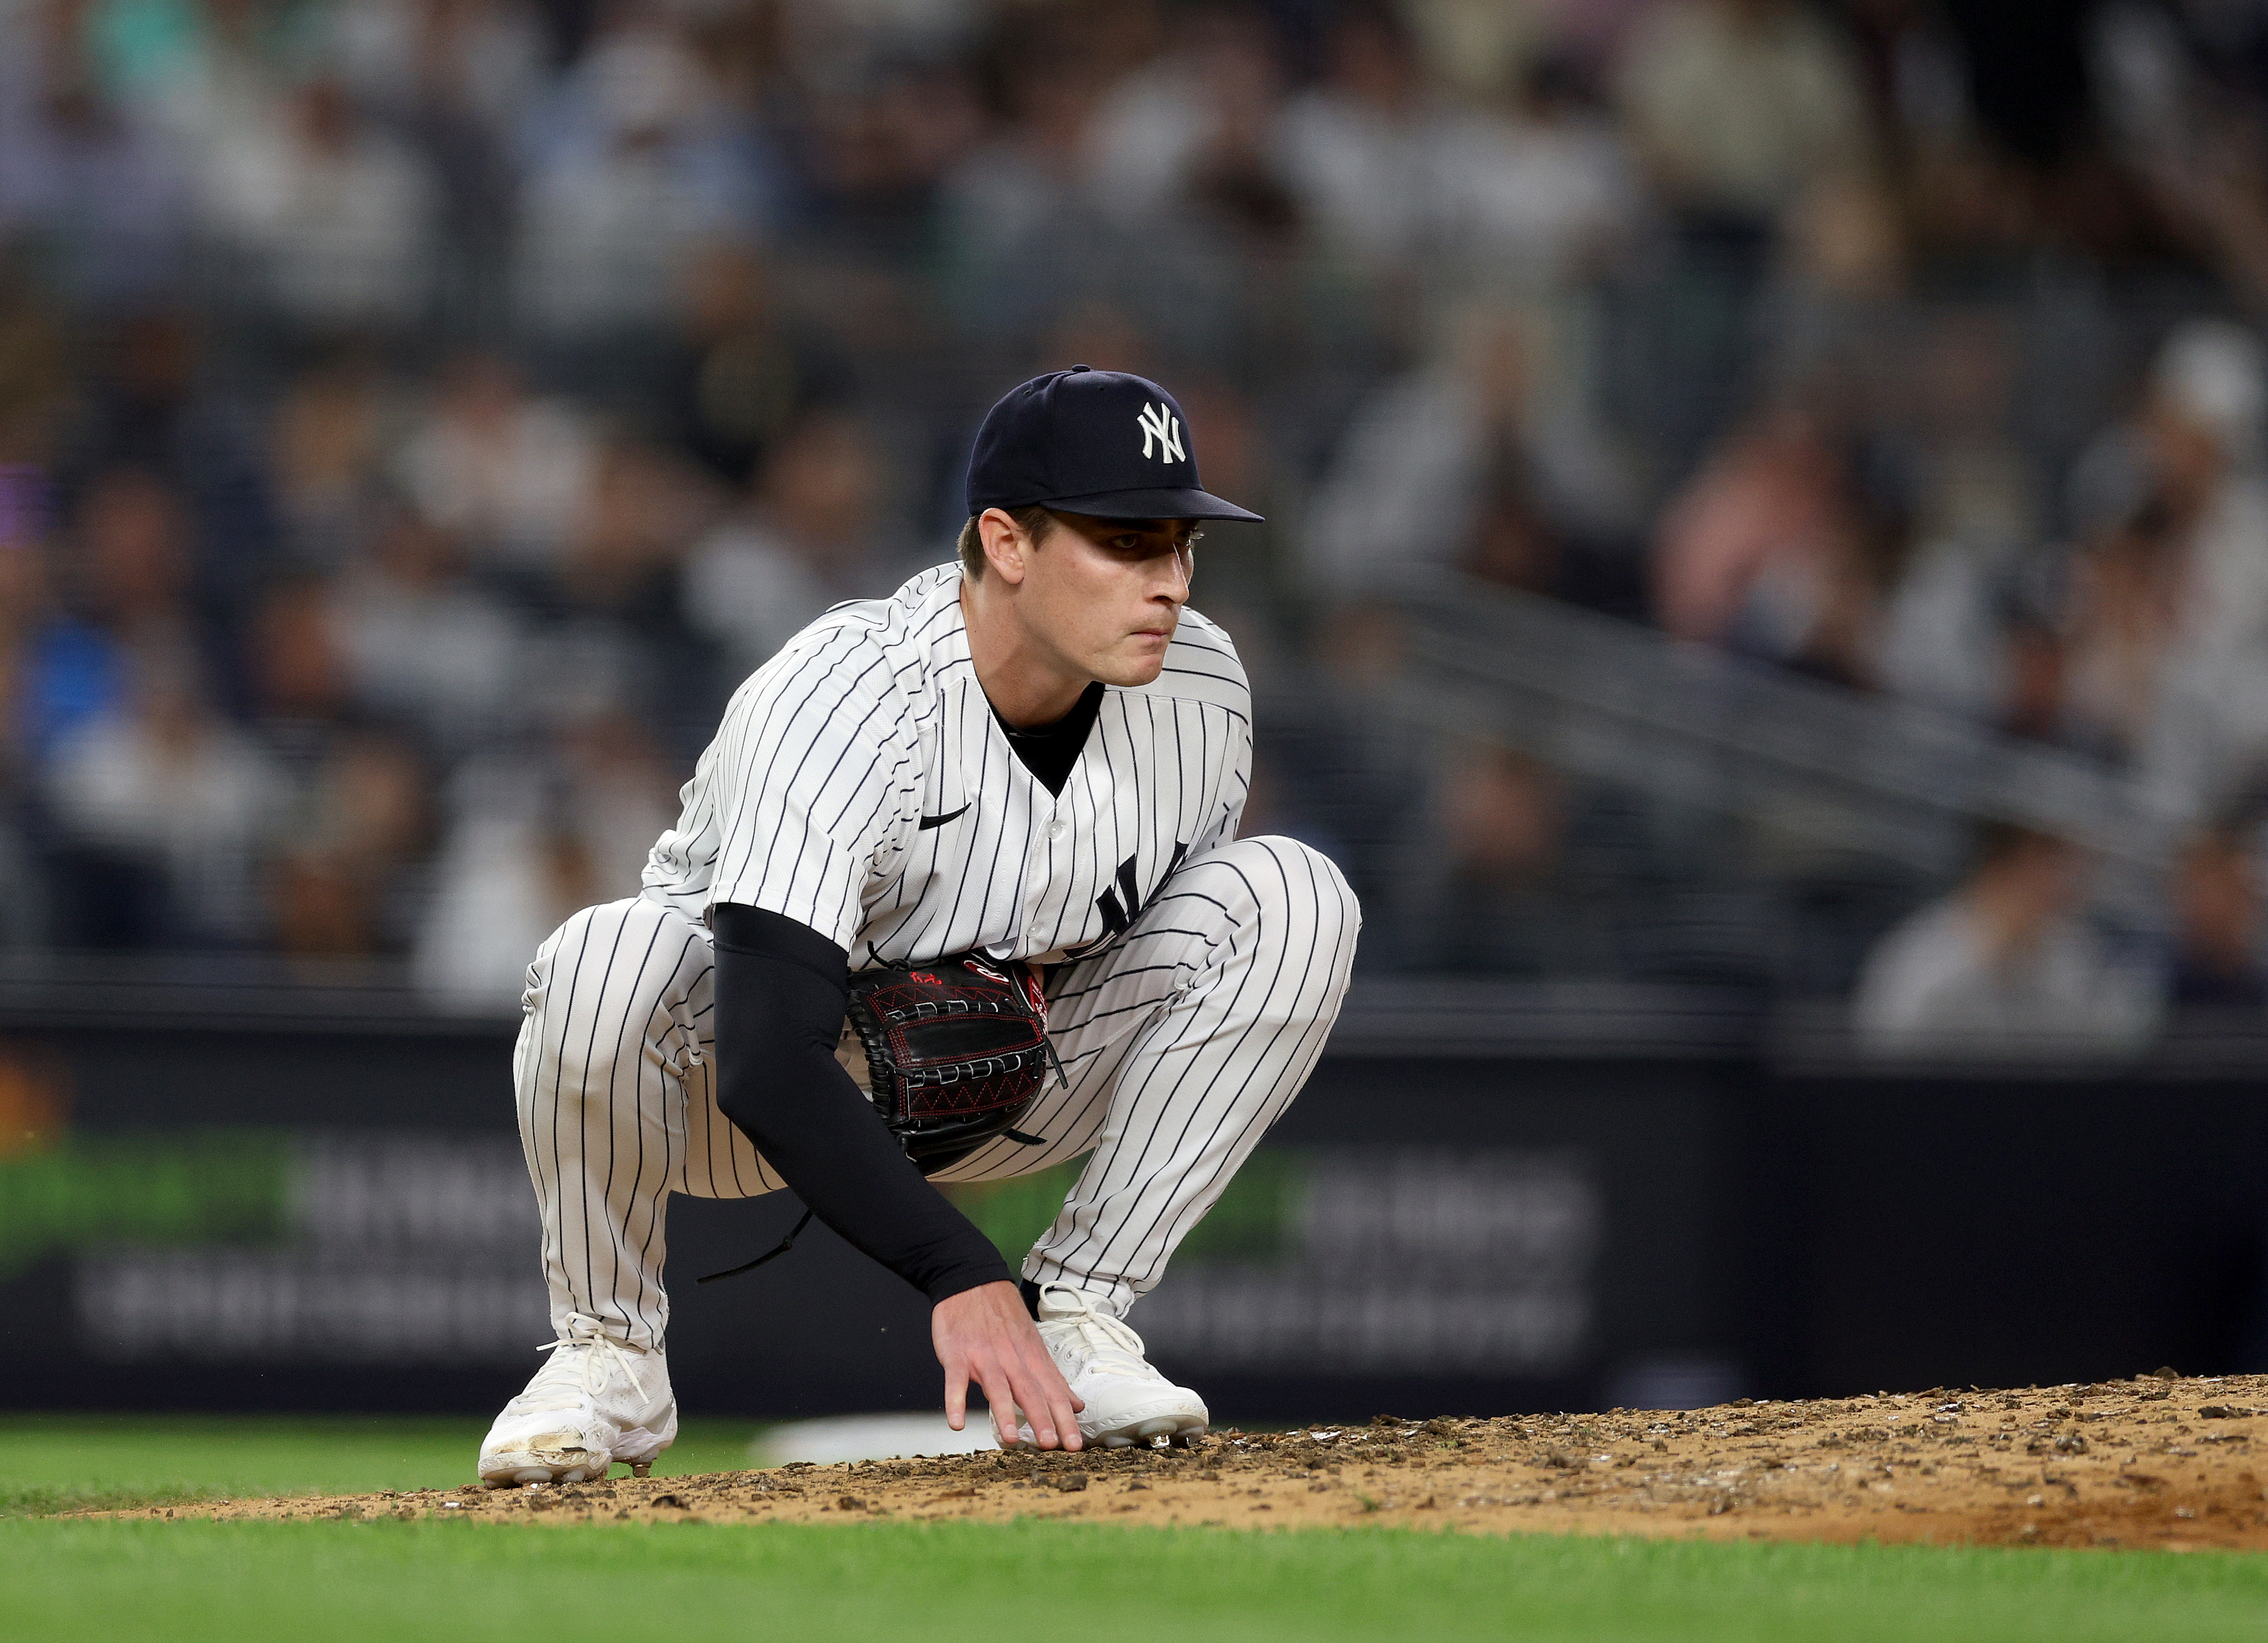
<point>385,1579</point>
<point>247,1583</point>
<point>72,1462</point>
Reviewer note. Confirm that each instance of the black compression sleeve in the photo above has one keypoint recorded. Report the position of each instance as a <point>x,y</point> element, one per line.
<point>780,998</point>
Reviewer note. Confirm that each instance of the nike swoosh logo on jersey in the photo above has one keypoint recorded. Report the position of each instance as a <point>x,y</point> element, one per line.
<point>928,822</point>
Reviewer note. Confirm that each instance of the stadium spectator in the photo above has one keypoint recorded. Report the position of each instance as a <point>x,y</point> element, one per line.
<point>612,624</point>
<point>1507,903</point>
<point>1771,549</point>
<point>154,403</point>
<point>1423,455</point>
<point>506,474</point>
<point>742,371</point>
<point>472,66</point>
<point>1737,109</point>
<point>876,145</point>
<point>165,809</point>
<point>637,164</point>
<point>421,646</point>
<point>126,580</point>
<point>204,71</point>
<point>297,675</point>
<point>458,80</point>
<point>326,450</point>
<point>809,537</point>
<point>1375,155</point>
<point>2124,621</point>
<point>2202,426</point>
<point>2005,965</point>
<point>331,218</point>
<point>509,870</point>
<point>87,178</point>
<point>645,507</point>
<point>1736,104</point>
<point>1174,129</point>
<point>23,600</point>
<point>37,383</point>
<point>2208,415</point>
<point>340,884</point>
<point>529,841</point>
<point>2217,911</point>
<point>1551,192</point>
<point>1967,611</point>
<point>1025,230</point>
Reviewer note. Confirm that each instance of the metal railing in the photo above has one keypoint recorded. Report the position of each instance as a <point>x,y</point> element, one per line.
<point>1611,700</point>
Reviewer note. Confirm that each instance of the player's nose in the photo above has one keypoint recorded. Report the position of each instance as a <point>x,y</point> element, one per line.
<point>1171,584</point>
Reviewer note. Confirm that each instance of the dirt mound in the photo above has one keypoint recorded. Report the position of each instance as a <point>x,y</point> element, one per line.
<point>2152,1462</point>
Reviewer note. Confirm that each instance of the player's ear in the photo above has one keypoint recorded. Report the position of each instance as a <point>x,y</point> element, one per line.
<point>1005,545</point>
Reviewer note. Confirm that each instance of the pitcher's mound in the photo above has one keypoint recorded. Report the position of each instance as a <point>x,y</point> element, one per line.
<point>2151,1462</point>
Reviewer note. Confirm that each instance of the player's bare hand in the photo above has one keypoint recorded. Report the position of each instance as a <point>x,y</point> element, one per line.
<point>984,1335</point>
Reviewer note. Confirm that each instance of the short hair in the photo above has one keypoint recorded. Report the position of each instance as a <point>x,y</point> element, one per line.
<point>1034,522</point>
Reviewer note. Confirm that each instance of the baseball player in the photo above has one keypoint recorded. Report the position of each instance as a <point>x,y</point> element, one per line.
<point>1024,771</point>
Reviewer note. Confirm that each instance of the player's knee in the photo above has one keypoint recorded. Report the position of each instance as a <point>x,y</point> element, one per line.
<point>586,935</point>
<point>1285,876</point>
<point>567,950</point>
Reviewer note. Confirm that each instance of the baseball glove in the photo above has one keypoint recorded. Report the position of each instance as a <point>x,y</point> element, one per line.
<point>951,1053</point>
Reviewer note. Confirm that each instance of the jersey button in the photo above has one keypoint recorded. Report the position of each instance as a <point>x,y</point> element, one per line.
<point>1055,830</point>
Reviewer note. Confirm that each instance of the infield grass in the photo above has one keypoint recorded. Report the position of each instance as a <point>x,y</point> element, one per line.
<point>945,1582</point>
<point>90,1462</point>
<point>948,1582</point>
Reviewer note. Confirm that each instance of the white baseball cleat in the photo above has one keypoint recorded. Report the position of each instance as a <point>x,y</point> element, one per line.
<point>597,1401</point>
<point>1127,1400</point>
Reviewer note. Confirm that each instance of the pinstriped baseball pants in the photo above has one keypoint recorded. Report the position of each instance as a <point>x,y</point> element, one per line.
<point>1183,1042</point>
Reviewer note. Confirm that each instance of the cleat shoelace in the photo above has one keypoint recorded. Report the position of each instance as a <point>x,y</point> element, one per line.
<point>1105,1345</point>
<point>570,1379</point>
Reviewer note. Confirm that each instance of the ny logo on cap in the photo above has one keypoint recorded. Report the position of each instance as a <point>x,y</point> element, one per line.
<point>1157,423</point>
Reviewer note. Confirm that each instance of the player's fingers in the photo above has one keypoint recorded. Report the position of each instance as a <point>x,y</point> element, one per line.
<point>1026,1402</point>
<point>1047,1407</point>
<point>1008,1410</point>
<point>1049,1374</point>
<point>1067,1407</point>
<point>956,1391</point>
<point>1062,1404</point>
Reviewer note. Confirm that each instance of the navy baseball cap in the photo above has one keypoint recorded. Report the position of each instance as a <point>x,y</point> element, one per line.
<point>1087,441</point>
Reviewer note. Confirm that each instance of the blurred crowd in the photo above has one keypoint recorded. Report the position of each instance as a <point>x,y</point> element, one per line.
<point>416,415</point>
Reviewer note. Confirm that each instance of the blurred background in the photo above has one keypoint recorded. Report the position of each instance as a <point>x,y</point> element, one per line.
<point>1765,594</point>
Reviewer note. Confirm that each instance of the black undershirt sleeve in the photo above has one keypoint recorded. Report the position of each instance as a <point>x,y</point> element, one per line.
<point>781,992</point>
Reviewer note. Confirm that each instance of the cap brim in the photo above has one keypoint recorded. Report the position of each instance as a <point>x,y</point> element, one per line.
<point>1154,505</point>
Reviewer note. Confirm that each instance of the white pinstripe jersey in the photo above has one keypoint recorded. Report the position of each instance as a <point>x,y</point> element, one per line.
<point>860,785</point>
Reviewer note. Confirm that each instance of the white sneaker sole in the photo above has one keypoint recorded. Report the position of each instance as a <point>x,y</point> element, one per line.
<point>508,1469</point>
<point>1160,1425</point>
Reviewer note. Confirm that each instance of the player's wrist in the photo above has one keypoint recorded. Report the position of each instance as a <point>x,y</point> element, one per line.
<point>959,1282</point>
